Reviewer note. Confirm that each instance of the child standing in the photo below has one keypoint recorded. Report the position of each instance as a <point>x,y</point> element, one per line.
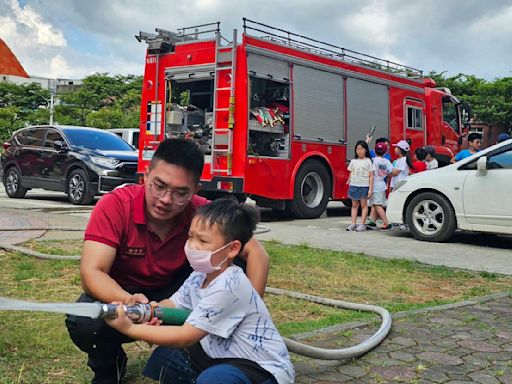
<point>360,183</point>
<point>378,199</point>
<point>419,165</point>
<point>402,163</point>
<point>474,142</point>
<point>430,160</point>
<point>229,337</point>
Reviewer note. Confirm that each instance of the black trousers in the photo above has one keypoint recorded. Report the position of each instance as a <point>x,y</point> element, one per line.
<point>102,343</point>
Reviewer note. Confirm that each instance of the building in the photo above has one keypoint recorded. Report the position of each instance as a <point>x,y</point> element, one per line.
<point>12,71</point>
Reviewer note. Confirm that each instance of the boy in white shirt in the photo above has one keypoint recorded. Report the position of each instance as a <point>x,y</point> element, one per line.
<point>430,160</point>
<point>229,336</point>
<point>383,167</point>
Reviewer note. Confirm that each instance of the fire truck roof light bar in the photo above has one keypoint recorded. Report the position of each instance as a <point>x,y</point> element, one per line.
<point>345,53</point>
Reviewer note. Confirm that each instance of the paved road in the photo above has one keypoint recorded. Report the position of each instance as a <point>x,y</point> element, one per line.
<point>472,251</point>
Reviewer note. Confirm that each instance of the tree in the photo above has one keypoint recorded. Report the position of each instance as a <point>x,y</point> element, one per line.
<point>491,102</point>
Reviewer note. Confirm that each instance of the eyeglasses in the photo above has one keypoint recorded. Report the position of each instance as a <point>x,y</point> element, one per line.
<point>178,197</point>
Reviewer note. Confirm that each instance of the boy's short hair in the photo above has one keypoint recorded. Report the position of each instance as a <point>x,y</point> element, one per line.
<point>382,140</point>
<point>420,153</point>
<point>430,150</point>
<point>235,221</point>
<point>474,136</point>
<point>181,152</point>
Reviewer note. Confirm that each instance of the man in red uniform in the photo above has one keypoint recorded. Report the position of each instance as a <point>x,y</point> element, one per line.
<point>133,250</point>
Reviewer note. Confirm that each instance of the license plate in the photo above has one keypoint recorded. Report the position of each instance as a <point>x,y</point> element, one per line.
<point>147,154</point>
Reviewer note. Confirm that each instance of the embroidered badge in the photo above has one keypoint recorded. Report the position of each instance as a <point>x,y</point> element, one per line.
<point>135,252</point>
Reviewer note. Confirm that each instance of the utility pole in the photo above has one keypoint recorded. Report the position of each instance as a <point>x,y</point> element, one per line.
<point>52,109</point>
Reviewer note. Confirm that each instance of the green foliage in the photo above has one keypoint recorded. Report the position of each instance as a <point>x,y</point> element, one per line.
<point>491,102</point>
<point>102,101</point>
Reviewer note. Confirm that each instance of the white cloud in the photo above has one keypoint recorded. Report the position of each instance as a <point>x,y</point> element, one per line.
<point>371,25</point>
<point>80,37</point>
<point>44,33</point>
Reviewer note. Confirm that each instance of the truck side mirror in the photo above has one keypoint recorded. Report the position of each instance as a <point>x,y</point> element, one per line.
<point>481,165</point>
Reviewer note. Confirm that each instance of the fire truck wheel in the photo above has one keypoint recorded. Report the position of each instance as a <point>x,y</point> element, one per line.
<point>311,192</point>
<point>430,217</point>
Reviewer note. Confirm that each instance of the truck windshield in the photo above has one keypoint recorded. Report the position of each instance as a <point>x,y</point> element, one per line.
<point>93,139</point>
<point>451,114</point>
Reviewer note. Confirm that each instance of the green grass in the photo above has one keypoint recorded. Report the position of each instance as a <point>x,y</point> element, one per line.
<point>35,347</point>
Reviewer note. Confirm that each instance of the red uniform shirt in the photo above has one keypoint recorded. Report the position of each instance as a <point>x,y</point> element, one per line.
<point>142,259</point>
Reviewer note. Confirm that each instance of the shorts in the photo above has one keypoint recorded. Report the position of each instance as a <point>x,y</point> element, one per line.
<point>378,198</point>
<point>358,193</point>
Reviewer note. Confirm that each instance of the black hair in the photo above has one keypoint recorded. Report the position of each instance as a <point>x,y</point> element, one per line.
<point>382,140</point>
<point>363,144</point>
<point>421,153</point>
<point>181,152</point>
<point>474,136</point>
<point>430,150</point>
<point>235,221</point>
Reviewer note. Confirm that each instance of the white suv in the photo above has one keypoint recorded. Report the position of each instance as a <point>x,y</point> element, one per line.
<point>474,194</point>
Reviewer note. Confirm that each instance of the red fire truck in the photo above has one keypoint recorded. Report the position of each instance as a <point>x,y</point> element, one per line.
<point>278,114</point>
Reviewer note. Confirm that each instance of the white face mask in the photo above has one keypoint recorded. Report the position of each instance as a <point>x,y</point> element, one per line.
<point>200,260</point>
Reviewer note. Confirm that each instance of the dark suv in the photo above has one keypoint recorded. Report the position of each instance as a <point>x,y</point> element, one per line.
<point>82,162</point>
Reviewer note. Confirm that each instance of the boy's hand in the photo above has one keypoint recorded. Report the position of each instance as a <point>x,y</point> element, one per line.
<point>122,322</point>
<point>370,193</point>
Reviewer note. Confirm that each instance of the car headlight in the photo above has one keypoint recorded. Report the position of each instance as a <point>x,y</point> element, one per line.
<point>400,185</point>
<point>106,162</point>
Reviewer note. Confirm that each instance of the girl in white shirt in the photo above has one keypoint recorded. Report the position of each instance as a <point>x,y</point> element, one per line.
<point>402,163</point>
<point>360,183</point>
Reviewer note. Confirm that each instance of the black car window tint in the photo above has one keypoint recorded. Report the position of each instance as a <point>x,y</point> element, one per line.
<point>500,160</point>
<point>51,138</point>
<point>34,137</point>
<point>96,140</point>
<point>20,137</point>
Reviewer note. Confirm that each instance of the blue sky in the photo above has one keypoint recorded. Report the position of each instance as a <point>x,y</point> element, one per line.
<point>74,38</point>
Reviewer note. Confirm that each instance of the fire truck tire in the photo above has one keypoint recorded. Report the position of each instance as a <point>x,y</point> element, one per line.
<point>311,192</point>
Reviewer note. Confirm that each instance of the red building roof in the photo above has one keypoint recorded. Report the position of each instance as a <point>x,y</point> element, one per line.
<point>9,64</point>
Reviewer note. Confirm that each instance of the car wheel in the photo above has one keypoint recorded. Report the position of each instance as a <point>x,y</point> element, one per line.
<point>12,183</point>
<point>79,192</point>
<point>311,192</point>
<point>430,217</point>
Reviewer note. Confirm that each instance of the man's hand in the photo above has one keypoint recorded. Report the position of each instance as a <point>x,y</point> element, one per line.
<point>136,298</point>
<point>122,322</point>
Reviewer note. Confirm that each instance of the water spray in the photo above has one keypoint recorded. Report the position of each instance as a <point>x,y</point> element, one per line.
<point>138,313</point>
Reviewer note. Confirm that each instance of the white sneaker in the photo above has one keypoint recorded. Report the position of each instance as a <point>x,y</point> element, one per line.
<point>361,228</point>
<point>352,227</point>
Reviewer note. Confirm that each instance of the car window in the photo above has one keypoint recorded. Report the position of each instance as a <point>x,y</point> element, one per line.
<point>33,137</point>
<point>500,160</point>
<point>51,138</point>
<point>92,139</point>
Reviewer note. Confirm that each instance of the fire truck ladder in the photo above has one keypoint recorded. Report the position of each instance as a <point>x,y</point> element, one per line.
<point>222,133</point>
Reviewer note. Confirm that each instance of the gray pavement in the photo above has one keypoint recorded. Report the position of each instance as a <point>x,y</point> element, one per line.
<point>473,251</point>
<point>469,343</point>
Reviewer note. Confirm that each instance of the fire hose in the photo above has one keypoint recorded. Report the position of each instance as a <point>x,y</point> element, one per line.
<point>173,316</point>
